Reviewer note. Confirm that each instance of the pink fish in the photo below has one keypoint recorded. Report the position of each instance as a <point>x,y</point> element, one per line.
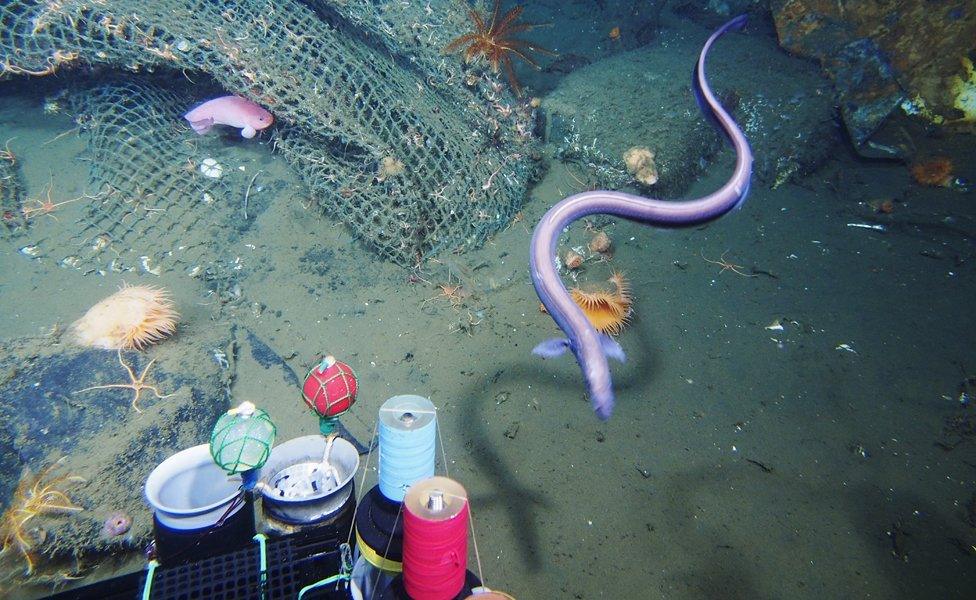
<point>229,110</point>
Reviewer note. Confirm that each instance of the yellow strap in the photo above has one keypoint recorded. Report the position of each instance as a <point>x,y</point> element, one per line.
<point>373,557</point>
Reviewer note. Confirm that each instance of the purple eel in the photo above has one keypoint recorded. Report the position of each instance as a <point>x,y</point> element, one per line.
<point>591,348</point>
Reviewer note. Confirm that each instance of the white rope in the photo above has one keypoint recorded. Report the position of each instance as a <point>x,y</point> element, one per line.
<point>362,484</point>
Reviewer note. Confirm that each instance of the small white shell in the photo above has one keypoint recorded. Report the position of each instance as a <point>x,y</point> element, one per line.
<point>211,168</point>
<point>30,250</point>
<point>145,261</point>
<point>101,242</point>
<point>70,262</point>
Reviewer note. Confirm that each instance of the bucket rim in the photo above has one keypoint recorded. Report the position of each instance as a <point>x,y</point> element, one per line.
<point>194,457</point>
<point>318,443</point>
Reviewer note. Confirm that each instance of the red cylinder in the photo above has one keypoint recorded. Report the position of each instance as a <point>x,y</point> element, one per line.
<point>330,388</point>
<point>435,539</point>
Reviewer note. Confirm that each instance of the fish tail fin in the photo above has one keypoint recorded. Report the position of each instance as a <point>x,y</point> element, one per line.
<point>611,349</point>
<point>551,348</point>
<point>202,126</point>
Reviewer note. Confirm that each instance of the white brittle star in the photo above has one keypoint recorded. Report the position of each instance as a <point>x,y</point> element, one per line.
<point>136,385</point>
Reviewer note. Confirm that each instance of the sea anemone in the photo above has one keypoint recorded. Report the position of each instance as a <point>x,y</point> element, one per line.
<point>608,311</point>
<point>133,317</point>
<point>935,171</point>
<point>882,207</point>
<point>572,260</point>
<point>639,162</point>
<point>601,243</point>
<point>117,523</point>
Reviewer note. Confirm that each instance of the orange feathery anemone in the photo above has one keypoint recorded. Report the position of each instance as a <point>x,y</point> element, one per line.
<point>131,318</point>
<point>935,171</point>
<point>608,311</point>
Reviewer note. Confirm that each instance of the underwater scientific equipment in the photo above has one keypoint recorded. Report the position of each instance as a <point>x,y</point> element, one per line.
<point>436,518</point>
<point>412,528</point>
<point>379,542</point>
<point>281,567</point>
<point>241,441</point>
<point>330,391</point>
<point>408,436</point>
<point>588,346</point>
<point>407,429</point>
<point>435,538</point>
<point>486,594</point>
<point>309,480</point>
<point>197,509</point>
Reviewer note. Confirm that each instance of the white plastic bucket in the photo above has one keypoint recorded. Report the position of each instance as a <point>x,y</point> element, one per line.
<point>296,489</point>
<point>188,491</point>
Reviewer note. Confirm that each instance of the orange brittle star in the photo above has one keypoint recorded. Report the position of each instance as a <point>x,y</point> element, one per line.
<point>726,265</point>
<point>136,385</point>
<point>46,207</point>
<point>455,294</point>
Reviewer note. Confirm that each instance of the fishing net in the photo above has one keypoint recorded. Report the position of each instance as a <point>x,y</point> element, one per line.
<point>376,121</point>
<point>11,193</point>
<point>148,214</point>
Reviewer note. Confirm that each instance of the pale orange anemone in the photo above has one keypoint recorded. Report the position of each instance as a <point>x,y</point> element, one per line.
<point>608,311</point>
<point>131,318</point>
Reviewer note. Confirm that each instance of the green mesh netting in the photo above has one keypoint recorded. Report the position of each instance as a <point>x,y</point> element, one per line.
<point>374,119</point>
<point>146,206</point>
<point>241,443</point>
<point>11,193</point>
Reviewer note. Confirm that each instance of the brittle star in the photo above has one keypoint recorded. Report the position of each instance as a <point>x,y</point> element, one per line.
<point>726,265</point>
<point>46,207</point>
<point>136,385</point>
